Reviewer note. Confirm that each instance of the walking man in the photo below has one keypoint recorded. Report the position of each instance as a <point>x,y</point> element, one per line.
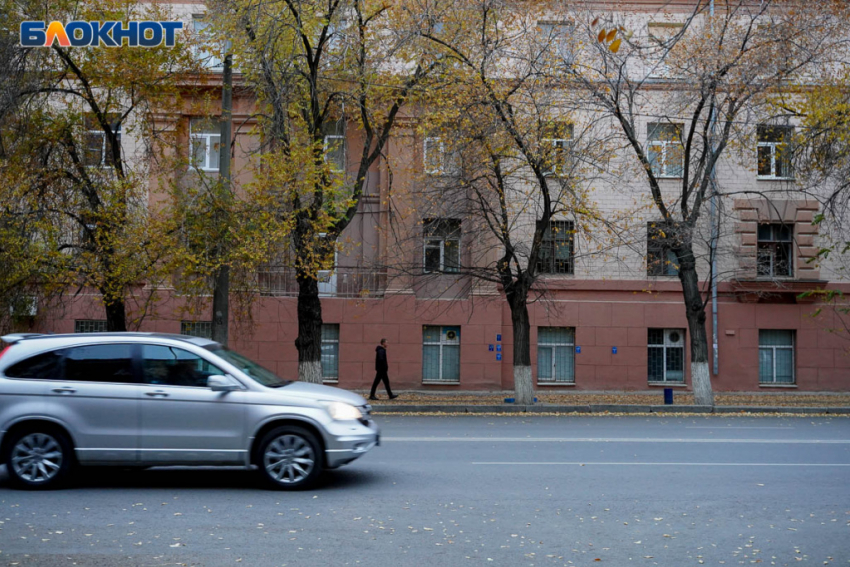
<point>381,368</point>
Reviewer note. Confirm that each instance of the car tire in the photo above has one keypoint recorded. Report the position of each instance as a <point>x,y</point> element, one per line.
<point>38,458</point>
<point>289,458</point>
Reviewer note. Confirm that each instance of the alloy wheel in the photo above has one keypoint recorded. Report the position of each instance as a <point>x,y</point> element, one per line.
<point>37,458</point>
<point>289,459</point>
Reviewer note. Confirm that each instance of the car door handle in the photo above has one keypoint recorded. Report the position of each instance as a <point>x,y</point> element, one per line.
<point>64,390</point>
<point>157,394</point>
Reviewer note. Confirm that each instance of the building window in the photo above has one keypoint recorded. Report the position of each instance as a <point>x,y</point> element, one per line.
<point>774,152</point>
<point>556,148</point>
<point>330,353</point>
<point>776,357</point>
<point>335,152</point>
<point>442,245</point>
<point>666,355</point>
<point>440,354</point>
<point>201,329</point>
<point>90,326</point>
<point>662,35</point>
<point>556,355</point>
<point>203,35</point>
<point>556,251</point>
<point>205,144</point>
<point>97,151</point>
<point>438,159</point>
<point>775,244</point>
<point>660,258</point>
<point>557,39</point>
<point>664,150</point>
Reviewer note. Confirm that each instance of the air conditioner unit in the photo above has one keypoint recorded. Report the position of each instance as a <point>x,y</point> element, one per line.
<point>674,337</point>
<point>26,306</point>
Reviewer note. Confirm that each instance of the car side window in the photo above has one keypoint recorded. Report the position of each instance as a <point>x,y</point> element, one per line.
<point>44,366</point>
<point>170,366</point>
<point>100,363</point>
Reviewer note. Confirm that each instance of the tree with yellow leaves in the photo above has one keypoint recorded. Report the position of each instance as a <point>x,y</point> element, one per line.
<point>76,141</point>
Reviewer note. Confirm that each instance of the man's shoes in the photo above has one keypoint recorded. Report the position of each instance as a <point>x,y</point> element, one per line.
<point>372,398</point>
<point>393,396</point>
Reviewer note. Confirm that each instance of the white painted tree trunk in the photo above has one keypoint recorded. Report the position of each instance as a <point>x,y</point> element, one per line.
<point>523,385</point>
<point>703,395</point>
<point>310,371</point>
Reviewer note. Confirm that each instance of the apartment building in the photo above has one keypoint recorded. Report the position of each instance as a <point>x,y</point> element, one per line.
<point>606,313</point>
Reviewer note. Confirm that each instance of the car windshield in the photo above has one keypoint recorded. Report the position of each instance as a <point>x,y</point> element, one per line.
<point>251,368</point>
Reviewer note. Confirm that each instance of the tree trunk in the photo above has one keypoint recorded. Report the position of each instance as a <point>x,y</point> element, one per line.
<point>116,316</point>
<point>695,313</point>
<point>523,381</point>
<point>309,341</point>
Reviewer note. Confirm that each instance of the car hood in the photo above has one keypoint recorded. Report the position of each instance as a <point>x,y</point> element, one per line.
<point>320,392</point>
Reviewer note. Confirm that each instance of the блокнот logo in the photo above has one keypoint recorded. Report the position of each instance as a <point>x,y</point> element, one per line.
<point>97,34</point>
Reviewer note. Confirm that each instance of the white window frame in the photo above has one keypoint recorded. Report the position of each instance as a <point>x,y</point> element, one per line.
<point>439,242</point>
<point>665,346</point>
<point>427,148</point>
<point>661,69</point>
<point>552,346</point>
<point>774,152</point>
<point>561,42</point>
<point>208,60</point>
<point>773,349</point>
<point>104,162</point>
<point>442,344</point>
<point>331,379</point>
<point>660,170</point>
<point>327,143</point>
<point>206,138</point>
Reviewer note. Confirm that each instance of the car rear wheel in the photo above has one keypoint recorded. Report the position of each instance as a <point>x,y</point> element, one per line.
<point>289,458</point>
<point>38,458</point>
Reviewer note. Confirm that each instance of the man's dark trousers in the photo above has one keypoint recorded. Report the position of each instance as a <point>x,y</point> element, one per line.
<point>381,376</point>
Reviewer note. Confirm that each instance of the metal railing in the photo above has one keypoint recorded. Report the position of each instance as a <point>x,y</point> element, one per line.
<point>279,281</point>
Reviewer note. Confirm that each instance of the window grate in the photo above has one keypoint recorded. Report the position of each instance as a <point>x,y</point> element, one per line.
<point>557,249</point>
<point>666,355</point>
<point>201,329</point>
<point>774,255</point>
<point>660,258</point>
<point>556,354</point>
<point>90,326</point>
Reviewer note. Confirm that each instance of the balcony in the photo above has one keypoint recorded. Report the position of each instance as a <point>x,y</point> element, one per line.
<point>279,281</point>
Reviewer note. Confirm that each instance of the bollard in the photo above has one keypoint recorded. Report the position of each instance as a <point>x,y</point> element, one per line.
<point>668,396</point>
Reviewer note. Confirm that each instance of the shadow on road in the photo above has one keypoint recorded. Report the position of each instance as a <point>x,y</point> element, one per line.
<point>200,478</point>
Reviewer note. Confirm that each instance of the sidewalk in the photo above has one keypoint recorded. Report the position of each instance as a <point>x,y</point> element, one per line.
<point>612,402</point>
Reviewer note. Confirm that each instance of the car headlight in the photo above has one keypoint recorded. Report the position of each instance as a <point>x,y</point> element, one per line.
<point>341,411</point>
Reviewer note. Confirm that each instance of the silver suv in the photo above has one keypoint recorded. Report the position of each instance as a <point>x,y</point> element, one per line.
<point>141,399</point>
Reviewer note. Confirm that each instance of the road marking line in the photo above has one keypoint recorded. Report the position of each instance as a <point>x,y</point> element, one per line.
<point>725,427</point>
<point>610,440</point>
<point>670,464</point>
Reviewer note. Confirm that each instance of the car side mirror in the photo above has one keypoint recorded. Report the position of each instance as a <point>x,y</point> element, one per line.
<point>219,383</point>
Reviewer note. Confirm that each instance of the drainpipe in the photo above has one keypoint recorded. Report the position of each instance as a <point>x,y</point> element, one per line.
<point>714,233</point>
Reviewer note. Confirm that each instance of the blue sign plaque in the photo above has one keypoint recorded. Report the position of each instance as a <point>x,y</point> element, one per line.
<point>498,337</point>
<point>490,348</point>
<point>613,350</point>
<point>499,348</point>
<point>498,356</point>
<point>578,350</point>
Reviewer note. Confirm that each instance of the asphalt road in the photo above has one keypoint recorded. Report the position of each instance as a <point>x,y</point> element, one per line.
<point>509,491</point>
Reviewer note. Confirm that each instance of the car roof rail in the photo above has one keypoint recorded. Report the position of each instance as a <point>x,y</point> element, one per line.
<point>15,337</point>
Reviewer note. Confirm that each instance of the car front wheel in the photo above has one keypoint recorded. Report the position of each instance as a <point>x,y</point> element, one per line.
<point>38,458</point>
<point>290,458</point>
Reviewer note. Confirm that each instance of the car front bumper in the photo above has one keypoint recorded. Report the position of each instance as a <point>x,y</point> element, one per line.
<point>350,440</point>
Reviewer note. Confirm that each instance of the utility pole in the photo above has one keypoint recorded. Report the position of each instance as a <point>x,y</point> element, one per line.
<point>221,284</point>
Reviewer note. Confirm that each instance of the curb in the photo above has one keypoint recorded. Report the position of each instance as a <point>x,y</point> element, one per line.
<point>601,408</point>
